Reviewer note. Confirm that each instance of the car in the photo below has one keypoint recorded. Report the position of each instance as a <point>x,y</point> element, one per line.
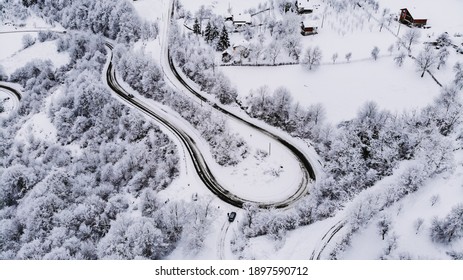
<point>130,96</point>
<point>231,216</point>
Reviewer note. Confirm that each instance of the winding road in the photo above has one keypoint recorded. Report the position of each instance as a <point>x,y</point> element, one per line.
<point>199,163</point>
<point>177,81</point>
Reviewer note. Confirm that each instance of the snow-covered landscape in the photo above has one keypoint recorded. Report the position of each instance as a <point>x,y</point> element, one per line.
<point>231,130</point>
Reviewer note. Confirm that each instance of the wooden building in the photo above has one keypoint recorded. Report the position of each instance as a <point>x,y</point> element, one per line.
<point>309,28</point>
<point>407,18</point>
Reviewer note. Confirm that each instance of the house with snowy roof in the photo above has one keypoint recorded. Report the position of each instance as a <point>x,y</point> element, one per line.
<point>303,7</point>
<point>407,19</point>
<point>309,27</point>
<point>241,20</point>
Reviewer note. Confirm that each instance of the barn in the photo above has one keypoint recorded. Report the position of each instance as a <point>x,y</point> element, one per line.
<point>407,19</point>
<point>309,27</point>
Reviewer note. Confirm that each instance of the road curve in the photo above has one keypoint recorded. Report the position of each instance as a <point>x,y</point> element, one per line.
<point>13,92</point>
<point>200,165</point>
<point>306,166</point>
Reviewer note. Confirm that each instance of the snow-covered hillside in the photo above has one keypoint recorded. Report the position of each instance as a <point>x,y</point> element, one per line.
<point>332,131</point>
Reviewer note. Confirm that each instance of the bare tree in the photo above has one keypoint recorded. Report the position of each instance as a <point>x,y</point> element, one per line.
<point>434,199</point>
<point>256,51</point>
<point>312,58</point>
<point>411,37</point>
<point>293,46</point>
<point>400,58</point>
<point>458,69</point>
<point>334,57</point>
<point>348,56</point>
<point>375,53</point>
<point>418,224</point>
<point>390,49</point>
<point>442,56</point>
<point>273,50</point>
<point>426,59</point>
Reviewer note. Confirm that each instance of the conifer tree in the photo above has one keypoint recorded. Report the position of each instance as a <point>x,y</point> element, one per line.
<point>196,27</point>
<point>208,32</point>
<point>224,41</point>
<point>215,33</point>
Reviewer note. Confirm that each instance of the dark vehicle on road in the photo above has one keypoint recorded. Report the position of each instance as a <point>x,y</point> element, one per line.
<point>231,216</point>
<point>130,96</point>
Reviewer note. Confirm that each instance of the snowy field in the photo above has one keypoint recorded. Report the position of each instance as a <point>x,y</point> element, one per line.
<point>222,7</point>
<point>45,50</point>
<point>343,88</point>
<point>14,56</point>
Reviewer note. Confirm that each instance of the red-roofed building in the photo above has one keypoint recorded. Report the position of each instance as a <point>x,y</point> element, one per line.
<point>407,18</point>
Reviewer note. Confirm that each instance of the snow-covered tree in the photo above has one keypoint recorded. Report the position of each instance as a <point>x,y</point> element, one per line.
<point>442,57</point>
<point>27,41</point>
<point>281,107</point>
<point>273,50</point>
<point>426,59</point>
<point>384,225</point>
<point>312,58</point>
<point>411,37</point>
<point>293,46</point>
<point>446,111</point>
<point>3,75</point>
<point>450,228</point>
<point>458,69</point>
<point>256,51</point>
<point>443,40</point>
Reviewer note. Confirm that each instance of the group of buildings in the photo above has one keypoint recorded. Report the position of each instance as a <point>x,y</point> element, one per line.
<point>309,26</point>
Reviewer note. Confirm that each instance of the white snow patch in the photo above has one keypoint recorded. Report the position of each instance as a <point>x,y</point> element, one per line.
<point>45,50</point>
<point>343,88</point>
<point>40,126</point>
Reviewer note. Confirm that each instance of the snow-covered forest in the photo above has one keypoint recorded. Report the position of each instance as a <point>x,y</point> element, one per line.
<point>85,173</point>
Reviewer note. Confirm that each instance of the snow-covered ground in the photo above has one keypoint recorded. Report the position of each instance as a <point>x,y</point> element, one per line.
<point>343,88</point>
<point>46,50</point>
<point>13,55</point>
<point>443,16</point>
